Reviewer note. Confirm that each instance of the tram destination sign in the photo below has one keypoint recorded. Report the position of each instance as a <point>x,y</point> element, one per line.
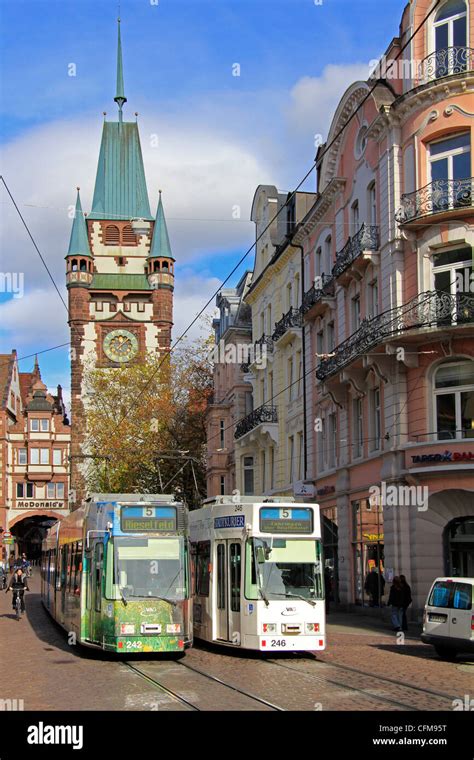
<point>144,519</point>
<point>286,520</point>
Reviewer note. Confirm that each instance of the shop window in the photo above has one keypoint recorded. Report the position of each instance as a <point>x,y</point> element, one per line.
<point>368,550</point>
<point>454,401</point>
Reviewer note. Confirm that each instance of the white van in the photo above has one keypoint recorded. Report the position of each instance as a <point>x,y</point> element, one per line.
<point>448,619</point>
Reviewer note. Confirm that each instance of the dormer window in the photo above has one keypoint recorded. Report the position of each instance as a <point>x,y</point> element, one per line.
<point>450,29</point>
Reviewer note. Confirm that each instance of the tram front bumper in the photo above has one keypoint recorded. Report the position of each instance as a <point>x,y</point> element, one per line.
<point>129,644</point>
<point>285,643</point>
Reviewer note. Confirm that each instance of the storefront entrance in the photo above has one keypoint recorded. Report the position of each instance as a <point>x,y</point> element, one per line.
<point>459,543</point>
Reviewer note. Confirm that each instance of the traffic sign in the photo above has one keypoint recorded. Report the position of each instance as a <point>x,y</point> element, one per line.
<point>6,534</point>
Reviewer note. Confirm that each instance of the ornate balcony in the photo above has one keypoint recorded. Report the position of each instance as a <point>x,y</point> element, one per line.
<point>265,340</point>
<point>437,197</point>
<point>262,414</point>
<point>430,309</point>
<point>444,63</point>
<point>292,318</point>
<point>366,239</point>
<point>314,294</point>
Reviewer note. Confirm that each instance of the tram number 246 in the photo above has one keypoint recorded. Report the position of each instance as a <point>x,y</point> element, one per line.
<point>278,643</point>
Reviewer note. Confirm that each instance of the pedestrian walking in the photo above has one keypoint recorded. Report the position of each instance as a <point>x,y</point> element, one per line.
<point>407,600</point>
<point>374,586</point>
<point>395,601</point>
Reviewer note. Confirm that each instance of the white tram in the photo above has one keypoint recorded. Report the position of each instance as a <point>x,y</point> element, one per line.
<point>258,575</point>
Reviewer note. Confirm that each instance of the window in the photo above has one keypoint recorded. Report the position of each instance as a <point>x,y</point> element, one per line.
<point>450,30</point>
<point>299,368</point>
<point>373,299</point>
<point>375,419</point>
<point>221,576</point>
<point>450,172</point>
<point>331,337</point>
<point>320,343</point>
<point>57,457</point>
<point>355,308</point>
<point>327,263</point>
<point>368,551</point>
<point>318,263</point>
<point>291,388</point>
<point>112,235</point>
<point>35,425</point>
<point>127,306</point>
<point>263,470</point>
<point>453,274</point>
<point>60,490</point>
<point>99,306</point>
<point>22,456</point>
<point>332,440</point>
<point>235,577</point>
<point>272,468</point>
<point>24,490</point>
<point>270,386</point>
<point>355,217</point>
<point>44,456</point>
<point>50,490</point>
<point>357,427</point>
<point>222,433</point>
<point>291,458</point>
<point>321,444</point>
<point>361,142</point>
<point>44,425</point>
<point>248,476</point>
<point>99,557</point>
<point>222,485</point>
<point>203,559</point>
<point>140,306</point>
<point>34,456</point>
<point>112,306</point>
<point>289,296</point>
<point>454,400</point>
<point>269,320</point>
<point>262,324</point>
<point>372,204</point>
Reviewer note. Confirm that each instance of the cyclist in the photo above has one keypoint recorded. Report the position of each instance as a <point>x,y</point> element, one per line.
<point>3,575</point>
<point>25,565</point>
<point>18,584</point>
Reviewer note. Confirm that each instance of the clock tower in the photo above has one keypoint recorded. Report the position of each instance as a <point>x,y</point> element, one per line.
<point>119,272</point>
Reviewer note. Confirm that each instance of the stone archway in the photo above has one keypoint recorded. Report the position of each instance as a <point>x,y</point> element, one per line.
<point>29,530</point>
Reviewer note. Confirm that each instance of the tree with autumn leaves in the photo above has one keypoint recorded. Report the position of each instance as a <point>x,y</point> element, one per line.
<point>146,430</point>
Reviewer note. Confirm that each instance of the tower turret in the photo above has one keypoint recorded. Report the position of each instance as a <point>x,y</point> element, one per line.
<point>160,262</point>
<point>79,262</point>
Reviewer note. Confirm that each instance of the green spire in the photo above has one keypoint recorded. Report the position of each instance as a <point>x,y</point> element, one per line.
<point>160,245</point>
<point>120,94</point>
<point>79,242</point>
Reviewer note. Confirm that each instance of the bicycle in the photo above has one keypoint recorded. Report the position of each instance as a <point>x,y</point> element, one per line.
<point>18,605</point>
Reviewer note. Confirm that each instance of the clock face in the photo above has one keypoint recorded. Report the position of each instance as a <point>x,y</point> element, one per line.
<point>120,345</point>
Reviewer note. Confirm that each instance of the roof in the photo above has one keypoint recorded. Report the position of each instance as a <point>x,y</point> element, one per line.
<point>120,282</point>
<point>79,242</point>
<point>160,245</point>
<point>39,402</point>
<point>120,188</point>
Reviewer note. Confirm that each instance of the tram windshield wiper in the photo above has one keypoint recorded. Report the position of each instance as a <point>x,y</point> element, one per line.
<point>296,596</point>
<point>162,598</point>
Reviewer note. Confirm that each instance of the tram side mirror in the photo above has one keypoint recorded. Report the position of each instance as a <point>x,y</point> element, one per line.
<point>261,555</point>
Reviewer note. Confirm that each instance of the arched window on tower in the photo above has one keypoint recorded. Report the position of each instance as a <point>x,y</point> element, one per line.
<point>156,266</point>
<point>128,236</point>
<point>83,265</point>
<point>450,39</point>
<point>112,235</point>
<point>74,265</point>
<point>164,265</point>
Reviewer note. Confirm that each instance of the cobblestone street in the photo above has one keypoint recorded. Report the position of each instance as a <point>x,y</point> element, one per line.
<point>363,668</point>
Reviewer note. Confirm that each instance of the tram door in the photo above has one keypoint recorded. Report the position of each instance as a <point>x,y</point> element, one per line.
<point>96,591</point>
<point>228,589</point>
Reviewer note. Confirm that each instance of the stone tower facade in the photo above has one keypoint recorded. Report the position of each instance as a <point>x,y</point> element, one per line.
<point>119,273</point>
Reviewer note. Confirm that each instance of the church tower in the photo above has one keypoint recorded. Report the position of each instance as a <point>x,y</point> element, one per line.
<point>119,271</point>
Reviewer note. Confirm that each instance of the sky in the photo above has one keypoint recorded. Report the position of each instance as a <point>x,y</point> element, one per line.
<point>209,137</point>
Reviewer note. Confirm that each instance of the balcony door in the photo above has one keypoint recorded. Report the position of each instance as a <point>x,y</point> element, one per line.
<point>450,30</point>
<point>449,168</point>
<point>453,275</point>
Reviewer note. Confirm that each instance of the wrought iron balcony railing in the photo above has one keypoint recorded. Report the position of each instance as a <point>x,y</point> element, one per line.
<point>314,294</point>
<point>445,62</point>
<point>292,318</point>
<point>366,239</point>
<point>436,197</point>
<point>433,308</point>
<point>265,340</point>
<point>264,413</point>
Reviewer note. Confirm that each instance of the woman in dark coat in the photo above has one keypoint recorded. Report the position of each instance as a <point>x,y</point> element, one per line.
<point>406,601</point>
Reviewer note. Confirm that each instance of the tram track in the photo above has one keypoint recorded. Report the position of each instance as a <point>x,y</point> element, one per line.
<point>371,691</point>
<point>190,705</point>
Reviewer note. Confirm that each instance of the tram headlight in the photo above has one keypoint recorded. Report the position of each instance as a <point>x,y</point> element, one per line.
<point>312,627</point>
<point>269,627</point>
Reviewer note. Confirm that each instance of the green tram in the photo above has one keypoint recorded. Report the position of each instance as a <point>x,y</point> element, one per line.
<point>115,573</point>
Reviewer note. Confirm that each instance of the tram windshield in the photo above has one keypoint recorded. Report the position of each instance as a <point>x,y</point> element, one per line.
<point>146,567</point>
<point>278,568</point>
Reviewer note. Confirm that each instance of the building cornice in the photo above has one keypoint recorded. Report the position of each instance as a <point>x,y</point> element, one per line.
<point>315,214</point>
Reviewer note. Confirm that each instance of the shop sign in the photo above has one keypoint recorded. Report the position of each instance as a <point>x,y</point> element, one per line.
<point>40,504</point>
<point>303,489</point>
<point>447,456</point>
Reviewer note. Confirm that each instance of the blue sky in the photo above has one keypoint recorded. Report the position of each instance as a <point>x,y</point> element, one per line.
<point>219,135</point>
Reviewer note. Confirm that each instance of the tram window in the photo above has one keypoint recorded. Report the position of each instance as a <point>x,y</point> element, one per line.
<point>78,568</point>
<point>235,568</point>
<point>99,552</point>
<point>220,577</point>
<point>71,558</point>
<point>203,558</point>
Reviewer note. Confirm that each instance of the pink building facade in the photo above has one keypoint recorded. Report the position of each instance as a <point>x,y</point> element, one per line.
<point>389,319</point>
